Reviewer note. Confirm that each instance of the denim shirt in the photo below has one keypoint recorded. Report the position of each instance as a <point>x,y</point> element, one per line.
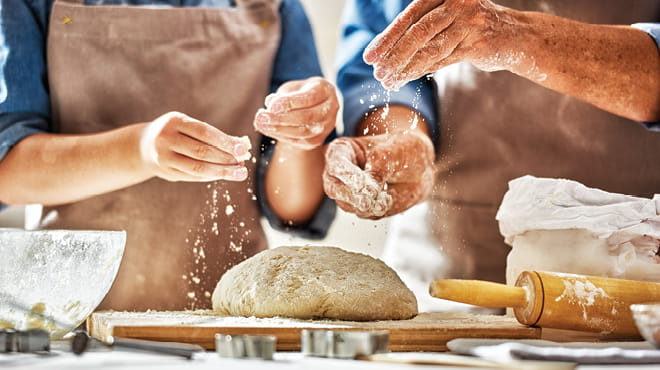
<point>362,21</point>
<point>24,96</point>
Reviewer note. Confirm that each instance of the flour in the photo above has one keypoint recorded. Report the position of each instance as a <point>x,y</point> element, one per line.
<point>512,61</point>
<point>234,247</point>
<point>208,318</point>
<point>582,292</point>
<point>365,194</point>
<point>219,215</point>
<point>460,75</point>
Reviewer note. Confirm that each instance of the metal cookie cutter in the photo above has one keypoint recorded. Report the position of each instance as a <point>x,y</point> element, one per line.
<point>24,341</point>
<point>245,346</point>
<point>343,343</point>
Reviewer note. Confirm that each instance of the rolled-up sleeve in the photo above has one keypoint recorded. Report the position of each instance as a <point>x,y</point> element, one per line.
<point>296,59</point>
<point>24,103</point>
<point>361,22</point>
<point>653,29</point>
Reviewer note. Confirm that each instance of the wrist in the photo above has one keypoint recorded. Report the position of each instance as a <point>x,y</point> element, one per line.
<point>507,42</point>
<point>137,156</point>
<point>523,41</point>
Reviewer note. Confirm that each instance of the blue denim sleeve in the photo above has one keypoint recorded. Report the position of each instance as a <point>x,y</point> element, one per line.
<point>653,29</point>
<point>361,22</point>
<point>24,103</point>
<point>296,59</point>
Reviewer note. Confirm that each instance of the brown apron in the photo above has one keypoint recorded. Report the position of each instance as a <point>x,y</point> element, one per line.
<point>110,66</point>
<point>498,126</point>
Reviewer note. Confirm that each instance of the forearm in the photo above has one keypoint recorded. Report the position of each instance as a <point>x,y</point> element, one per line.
<point>293,182</point>
<point>54,169</point>
<point>616,68</point>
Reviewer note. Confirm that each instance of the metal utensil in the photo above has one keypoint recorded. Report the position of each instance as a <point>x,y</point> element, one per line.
<point>343,343</point>
<point>25,341</point>
<point>245,346</point>
<point>81,342</point>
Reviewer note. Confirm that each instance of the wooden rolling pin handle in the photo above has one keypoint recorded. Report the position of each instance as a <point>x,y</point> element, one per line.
<point>479,293</point>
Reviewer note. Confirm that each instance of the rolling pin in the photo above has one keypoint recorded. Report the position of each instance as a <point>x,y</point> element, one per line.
<point>558,300</point>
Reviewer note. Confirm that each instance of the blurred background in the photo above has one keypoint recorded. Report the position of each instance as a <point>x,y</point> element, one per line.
<point>347,231</point>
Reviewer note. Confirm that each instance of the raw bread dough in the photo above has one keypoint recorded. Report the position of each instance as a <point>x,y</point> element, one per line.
<point>311,283</point>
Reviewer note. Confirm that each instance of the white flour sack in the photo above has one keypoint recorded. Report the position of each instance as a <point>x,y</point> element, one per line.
<point>563,226</point>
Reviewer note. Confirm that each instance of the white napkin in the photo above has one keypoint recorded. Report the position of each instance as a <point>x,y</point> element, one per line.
<point>541,350</point>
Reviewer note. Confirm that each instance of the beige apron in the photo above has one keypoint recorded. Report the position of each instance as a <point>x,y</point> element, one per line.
<point>110,66</point>
<point>498,126</point>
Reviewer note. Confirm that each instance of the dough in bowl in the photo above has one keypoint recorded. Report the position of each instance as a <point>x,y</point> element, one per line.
<point>313,283</point>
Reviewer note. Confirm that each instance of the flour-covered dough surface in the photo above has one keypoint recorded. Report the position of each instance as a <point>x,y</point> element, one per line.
<point>312,283</point>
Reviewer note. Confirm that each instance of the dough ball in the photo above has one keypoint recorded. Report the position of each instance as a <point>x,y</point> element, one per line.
<point>314,283</point>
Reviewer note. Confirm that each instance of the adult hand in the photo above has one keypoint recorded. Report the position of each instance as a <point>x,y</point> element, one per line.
<point>176,147</point>
<point>431,34</point>
<point>301,113</point>
<point>381,175</point>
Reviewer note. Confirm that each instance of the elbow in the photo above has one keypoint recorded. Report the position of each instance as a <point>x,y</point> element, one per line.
<point>645,113</point>
<point>8,194</point>
<point>639,108</point>
<point>14,196</point>
<point>9,199</point>
<point>648,108</point>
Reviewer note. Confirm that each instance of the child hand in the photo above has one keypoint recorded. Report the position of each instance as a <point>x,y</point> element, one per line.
<point>176,147</point>
<point>301,113</point>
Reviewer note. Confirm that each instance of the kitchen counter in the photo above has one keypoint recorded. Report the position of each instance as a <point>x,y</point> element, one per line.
<point>59,358</point>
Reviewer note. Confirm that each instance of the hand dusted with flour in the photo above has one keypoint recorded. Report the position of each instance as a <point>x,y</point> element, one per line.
<point>176,147</point>
<point>311,283</point>
<point>379,176</point>
<point>384,172</point>
<point>301,113</point>
<point>561,54</point>
<point>432,34</point>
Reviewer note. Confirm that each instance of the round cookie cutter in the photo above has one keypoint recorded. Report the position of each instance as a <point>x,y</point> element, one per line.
<point>245,346</point>
<point>343,343</point>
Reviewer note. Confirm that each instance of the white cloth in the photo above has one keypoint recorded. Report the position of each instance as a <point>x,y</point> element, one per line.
<point>505,351</point>
<point>561,225</point>
<point>551,204</point>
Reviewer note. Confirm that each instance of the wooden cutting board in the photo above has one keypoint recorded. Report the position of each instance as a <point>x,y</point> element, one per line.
<point>425,332</point>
